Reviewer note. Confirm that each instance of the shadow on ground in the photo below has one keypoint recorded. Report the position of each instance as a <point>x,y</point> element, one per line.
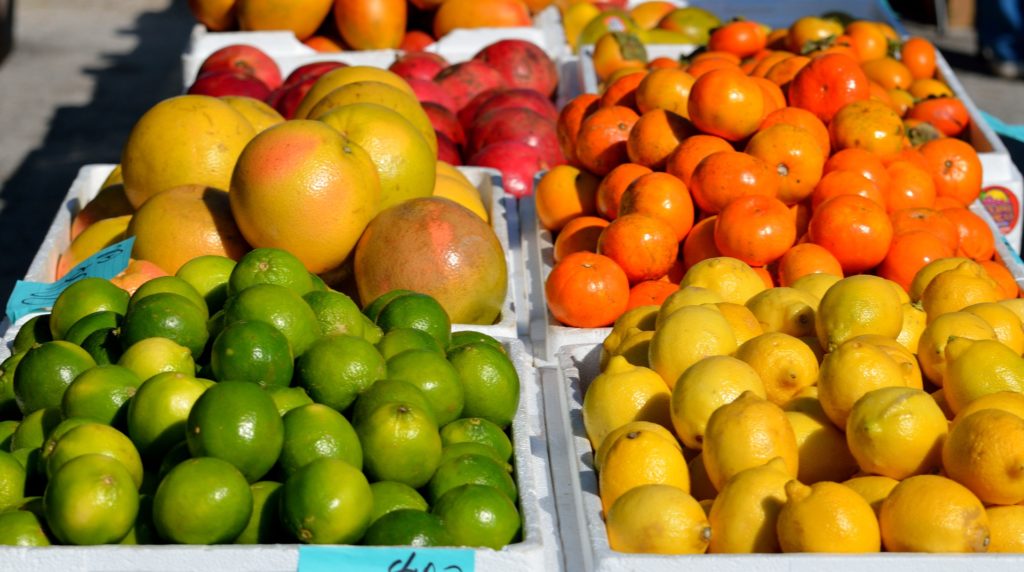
<point>126,86</point>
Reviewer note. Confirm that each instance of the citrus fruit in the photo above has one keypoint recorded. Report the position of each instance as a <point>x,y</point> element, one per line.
<point>44,373</point>
<point>786,364</point>
<point>641,457</point>
<point>209,275</point>
<point>101,393</point>
<point>90,438</point>
<point>407,527</point>
<point>478,515</point>
<point>8,402</point>
<point>931,350</point>
<point>417,311</point>
<point>686,336</point>
<point>7,429</point>
<point>873,488</point>
<point>861,304</point>
<point>269,266</point>
<point>143,531</point>
<point>91,499</point>
<point>158,412</point>
<point>929,513</point>
<point>238,422</point>
<point>104,345</point>
<point>168,316</point>
<point>372,308</point>
<point>35,331</point>
<point>252,351</point>
<point>170,285</point>
<point>12,480</point>
<point>1006,524</point>
<point>336,312</point>
<point>83,328</point>
<point>824,455</point>
<point>746,433</point>
<point>336,369</point>
<point>84,297</point>
<point>327,501</point>
<point>744,514</point>
<point>288,398</point>
<point>278,306</point>
<point>202,501</point>
<point>983,453</point>
<point>435,376</point>
<point>400,443</point>
<point>489,380</point>
<point>152,356</point>
<point>315,431</point>
<point>389,496</point>
<point>174,457</point>
<point>703,388</point>
<point>602,452</point>
<point>477,430</point>
<point>50,443</point>
<point>975,368</point>
<point>826,517</point>
<point>399,340</point>
<point>22,528</point>
<point>659,519</point>
<point>389,391</point>
<point>343,76</point>
<point>896,432</point>
<point>264,526</point>
<point>478,469</point>
<point>34,428</point>
<point>852,370</point>
<point>730,278</point>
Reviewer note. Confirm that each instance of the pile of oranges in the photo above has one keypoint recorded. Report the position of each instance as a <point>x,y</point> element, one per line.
<point>823,147</point>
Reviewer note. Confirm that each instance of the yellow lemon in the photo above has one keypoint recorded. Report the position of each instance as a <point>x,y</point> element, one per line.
<point>826,517</point>
<point>929,513</point>
<point>914,322</point>
<point>1016,305</point>
<point>954,290</point>
<point>785,364</point>
<point>907,361</point>
<point>744,514</point>
<point>985,453</point>
<point>641,317</point>
<point>703,388</point>
<point>930,271</point>
<point>744,323</point>
<point>746,433</point>
<point>1007,528</point>
<point>1009,401</point>
<point>822,448</point>
<point>976,368</point>
<point>896,432</point>
<point>872,488</point>
<point>621,394</point>
<point>931,352</point>
<point>786,310</point>
<point>658,519</point>
<point>640,458</point>
<point>689,335</point>
<point>1007,325</point>
<point>460,192</point>
<point>860,304</point>
<point>686,296</point>
<point>732,279</point>
<point>636,347</point>
<point>849,372</point>
<point>816,284</point>
<point>939,395</point>
<point>700,484</point>
<point>602,451</point>
<point>448,170</point>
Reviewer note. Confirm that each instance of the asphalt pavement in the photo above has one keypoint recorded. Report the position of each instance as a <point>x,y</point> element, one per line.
<point>83,71</point>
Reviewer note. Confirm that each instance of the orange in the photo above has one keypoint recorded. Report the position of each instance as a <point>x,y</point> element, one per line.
<point>867,164</point>
<point>844,182</point>
<point>564,193</point>
<point>643,246</point>
<point>727,103</point>
<point>909,252</point>
<point>667,89</point>
<point>662,196</point>
<point>579,234</point>
<point>685,158</point>
<point>803,119</point>
<point>806,258</point>
<point>977,241</point>
<point>654,136</point>
<point>621,89</point>
<point>569,120</point>
<point>601,144</point>
<point>725,175</point>
<point>700,243</point>
<point>909,187</point>
<point>793,154</point>
<point>854,229</point>
<point>755,229</point>
<point>614,184</point>
<point>955,167</point>
<point>587,290</point>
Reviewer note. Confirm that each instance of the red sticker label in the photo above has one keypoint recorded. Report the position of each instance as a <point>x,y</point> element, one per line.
<point>1003,205</point>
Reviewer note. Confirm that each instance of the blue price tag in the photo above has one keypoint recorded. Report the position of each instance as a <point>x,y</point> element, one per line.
<point>29,297</point>
<point>384,559</point>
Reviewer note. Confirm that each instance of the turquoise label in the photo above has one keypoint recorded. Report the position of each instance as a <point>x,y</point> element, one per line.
<point>384,559</point>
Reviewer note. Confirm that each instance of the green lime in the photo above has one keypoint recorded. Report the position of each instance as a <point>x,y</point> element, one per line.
<point>435,377</point>
<point>170,285</point>
<point>328,501</point>
<point>209,275</point>
<point>45,372</point>
<point>174,457</point>
<point>417,311</point>
<point>153,356</point>
<point>158,413</point>
<point>390,496</point>
<point>35,469</point>
<point>406,527</point>
<point>96,438</point>
<point>252,351</point>
<point>166,315</point>
<point>478,515</point>
<point>390,391</point>
<point>22,528</point>
<point>280,307</point>
<point>336,312</point>
<point>33,429</point>
<point>143,530</point>
<point>400,443</point>
<point>477,430</point>
<point>7,429</point>
<point>288,398</point>
<point>371,332</point>
<point>490,381</point>
<point>32,504</point>
<point>91,499</point>
<point>476,469</point>
<point>454,450</point>
<point>399,340</point>
<point>35,331</point>
<point>372,310</point>
<point>87,296</point>
<point>101,393</point>
<point>315,431</point>
<point>464,337</point>
<point>104,345</point>
<point>238,422</point>
<point>336,369</point>
<point>264,526</point>
<point>215,325</point>
<point>12,480</point>
<point>56,433</point>
<point>202,501</point>
<point>103,320</point>
<point>270,266</point>
<point>8,402</point>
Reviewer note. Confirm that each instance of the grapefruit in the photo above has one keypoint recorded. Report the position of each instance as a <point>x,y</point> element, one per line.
<point>338,77</point>
<point>258,113</point>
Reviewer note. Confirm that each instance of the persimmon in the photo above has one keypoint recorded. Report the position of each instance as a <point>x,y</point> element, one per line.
<point>650,293</point>
<point>741,37</point>
<point>667,89</point>
<point>725,175</point>
<point>868,125</point>
<point>662,196</point>
<point>643,246</point>
<point>663,62</point>
<point>587,290</point>
<point>861,161</point>
<point>811,30</point>
<point>924,88</point>
<point>655,135</point>
<point>710,54</point>
<point>803,119</point>
<point>827,83</point>
<point>601,144</point>
<point>918,54</point>
<point>909,187</point>
<point>727,103</point>
<point>701,67</point>
<point>755,229</point>
<point>762,66</point>
<point>774,98</point>
<point>564,193</point>
<point>930,220</point>
<point>955,167</point>
<point>570,118</point>
<point>807,258</point>
<point>844,182</point>
<point>622,90</point>
<point>948,114</point>
<point>901,101</point>
<point>700,243</point>
<point>867,39</point>
<point>794,156</point>
<point>878,93</point>
<point>783,72</point>
<point>856,230</point>
<point>613,185</point>
<point>578,235</point>
<point>977,240</point>
<point>910,155</point>
<point>685,158</point>
<point>910,252</point>
<point>888,72</point>
<point>748,64</point>
<point>616,50</point>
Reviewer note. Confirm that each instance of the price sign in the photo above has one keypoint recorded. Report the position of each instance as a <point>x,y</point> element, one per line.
<point>384,559</point>
<point>29,297</point>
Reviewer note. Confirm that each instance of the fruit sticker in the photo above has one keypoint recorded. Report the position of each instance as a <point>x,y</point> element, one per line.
<point>384,559</point>
<point>1003,205</point>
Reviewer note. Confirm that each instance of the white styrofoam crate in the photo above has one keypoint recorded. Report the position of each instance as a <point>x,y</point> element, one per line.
<point>289,53</point>
<point>576,367</point>
<point>501,207</point>
<point>539,548</point>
